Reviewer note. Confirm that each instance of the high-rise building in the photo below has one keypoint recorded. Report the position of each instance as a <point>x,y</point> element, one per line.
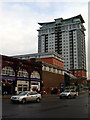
<point>65,37</point>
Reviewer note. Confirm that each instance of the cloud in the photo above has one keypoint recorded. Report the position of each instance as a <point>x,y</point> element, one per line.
<point>19,21</point>
<point>44,1</point>
<point>17,28</point>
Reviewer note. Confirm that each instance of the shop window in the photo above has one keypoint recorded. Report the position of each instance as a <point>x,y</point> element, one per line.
<point>25,89</point>
<point>19,88</point>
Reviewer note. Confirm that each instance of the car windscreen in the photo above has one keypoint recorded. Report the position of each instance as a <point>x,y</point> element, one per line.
<point>23,93</point>
<point>66,90</point>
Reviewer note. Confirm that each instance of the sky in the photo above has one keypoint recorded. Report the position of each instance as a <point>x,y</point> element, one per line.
<point>19,22</point>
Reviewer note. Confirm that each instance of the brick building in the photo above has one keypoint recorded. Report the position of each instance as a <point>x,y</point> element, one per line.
<point>19,75</point>
<point>52,68</point>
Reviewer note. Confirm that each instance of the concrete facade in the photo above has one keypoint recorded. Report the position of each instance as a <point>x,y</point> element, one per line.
<point>67,38</point>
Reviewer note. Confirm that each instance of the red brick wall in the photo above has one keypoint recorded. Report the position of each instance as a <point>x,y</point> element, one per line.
<point>51,80</point>
<point>53,61</point>
<point>80,73</point>
<point>47,60</point>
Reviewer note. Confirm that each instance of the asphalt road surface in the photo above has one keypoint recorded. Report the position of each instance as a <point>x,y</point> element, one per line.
<point>49,107</point>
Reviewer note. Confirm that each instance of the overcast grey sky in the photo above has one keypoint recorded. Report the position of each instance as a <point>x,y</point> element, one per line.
<point>19,22</point>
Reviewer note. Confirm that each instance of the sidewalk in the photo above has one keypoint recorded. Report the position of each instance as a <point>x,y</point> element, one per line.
<point>5,96</point>
<point>82,91</point>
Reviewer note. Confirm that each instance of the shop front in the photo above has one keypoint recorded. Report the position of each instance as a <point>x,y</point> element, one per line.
<point>7,80</point>
<point>19,75</point>
<point>14,85</point>
<point>8,85</point>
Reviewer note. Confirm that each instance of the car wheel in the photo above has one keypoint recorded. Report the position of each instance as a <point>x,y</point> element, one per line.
<point>69,96</point>
<point>23,101</point>
<point>74,96</point>
<point>38,100</point>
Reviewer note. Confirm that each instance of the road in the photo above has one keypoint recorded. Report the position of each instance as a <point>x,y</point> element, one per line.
<point>50,107</point>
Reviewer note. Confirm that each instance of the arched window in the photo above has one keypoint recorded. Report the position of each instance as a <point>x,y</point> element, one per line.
<point>22,73</point>
<point>35,74</point>
<point>7,70</point>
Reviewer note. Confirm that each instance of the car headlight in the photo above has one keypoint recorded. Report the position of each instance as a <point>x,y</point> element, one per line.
<point>11,98</point>
<point>18,98</point>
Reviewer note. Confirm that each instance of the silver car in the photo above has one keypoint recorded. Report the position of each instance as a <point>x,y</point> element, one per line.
<point>68,93</point>
<point>26,96</point>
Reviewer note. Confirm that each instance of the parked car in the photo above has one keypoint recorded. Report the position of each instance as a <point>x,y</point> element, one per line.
<point>26,96</point>
<point>68,93</point>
